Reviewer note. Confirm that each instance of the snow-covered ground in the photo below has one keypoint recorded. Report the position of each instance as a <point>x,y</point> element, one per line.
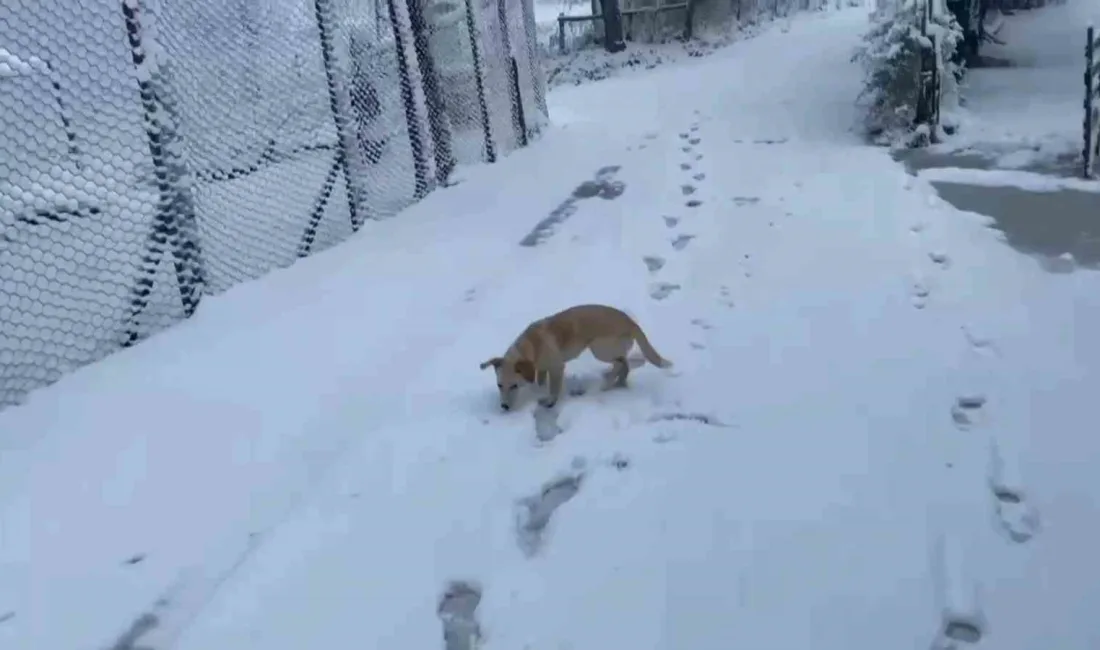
<point>1025,109</point>
<point>877,432</point>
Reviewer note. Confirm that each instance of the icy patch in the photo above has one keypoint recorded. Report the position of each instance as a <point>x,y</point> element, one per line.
<point>1029,181</point>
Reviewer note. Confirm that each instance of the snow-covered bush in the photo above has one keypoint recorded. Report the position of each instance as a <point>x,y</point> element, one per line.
<point>891,57</point>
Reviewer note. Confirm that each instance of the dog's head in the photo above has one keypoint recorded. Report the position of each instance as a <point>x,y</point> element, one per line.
<point>511,373</point>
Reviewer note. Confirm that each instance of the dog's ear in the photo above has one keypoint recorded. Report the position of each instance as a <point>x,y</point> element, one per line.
<point>525,369</point>
<point>495,362</point>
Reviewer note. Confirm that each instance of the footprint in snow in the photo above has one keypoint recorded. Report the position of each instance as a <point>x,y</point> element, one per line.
<point>980,344</point>
<point>681,241</point>
<point>662,290</point>
<point>920,293</point>
<point>1016,518</point>
<point>534,512</point>
<point>967,411</point>
<point>962,620</point>
<point>457,612</point>
<point>653,263</point>
<point>1014,514</point>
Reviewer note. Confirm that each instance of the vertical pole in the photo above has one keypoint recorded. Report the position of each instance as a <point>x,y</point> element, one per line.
<point>1090,97</point>
<point>433,94</point>
<point>561,33</point>
<point>519,116</point>
<point>689,20</point>
<point>408,99</point>
<point>322,11</point>
<point>490,151</point>
<point>305,246</point>
<point>935,92</point>
<point>174,222</point>
<point>513,75</point>
<point>613,27</point>
<point>531,42</point>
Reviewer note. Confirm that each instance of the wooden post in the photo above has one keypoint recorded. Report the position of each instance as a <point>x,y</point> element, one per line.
<point>613,27</point>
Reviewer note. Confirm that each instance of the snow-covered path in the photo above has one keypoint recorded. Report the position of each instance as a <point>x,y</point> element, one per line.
<point>315,460</point>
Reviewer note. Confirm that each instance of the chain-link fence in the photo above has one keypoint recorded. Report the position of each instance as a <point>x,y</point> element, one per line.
<point>155,151</point>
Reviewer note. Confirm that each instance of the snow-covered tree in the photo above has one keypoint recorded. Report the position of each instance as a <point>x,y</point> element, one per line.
<point>891,57</point>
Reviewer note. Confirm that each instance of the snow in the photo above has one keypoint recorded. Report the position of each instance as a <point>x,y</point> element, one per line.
<point>1027,107</point>
<point>1009,178</point>
<point>14,66</point>
<point>879,413</point>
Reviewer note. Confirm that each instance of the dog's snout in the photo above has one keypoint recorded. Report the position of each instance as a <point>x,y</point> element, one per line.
<point>505,407</point>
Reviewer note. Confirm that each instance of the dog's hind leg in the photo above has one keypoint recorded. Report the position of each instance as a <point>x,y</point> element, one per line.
<point>619,371</point>
<point>613,351</point>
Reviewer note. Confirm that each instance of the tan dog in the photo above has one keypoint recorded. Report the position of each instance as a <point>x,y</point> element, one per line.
<point>540,353</point>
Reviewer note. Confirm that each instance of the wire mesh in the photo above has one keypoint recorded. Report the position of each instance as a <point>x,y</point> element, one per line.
<point>153,152</point>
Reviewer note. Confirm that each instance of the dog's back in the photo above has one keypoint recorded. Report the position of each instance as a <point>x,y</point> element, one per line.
<point>574,329</point>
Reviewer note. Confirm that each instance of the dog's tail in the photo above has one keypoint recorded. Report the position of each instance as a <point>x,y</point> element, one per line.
<point>648,352</point>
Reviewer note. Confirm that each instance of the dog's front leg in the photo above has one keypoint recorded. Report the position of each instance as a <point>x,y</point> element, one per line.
<point>557,378</point>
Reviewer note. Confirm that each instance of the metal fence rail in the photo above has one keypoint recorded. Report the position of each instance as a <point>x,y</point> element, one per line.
<point>154,152</point>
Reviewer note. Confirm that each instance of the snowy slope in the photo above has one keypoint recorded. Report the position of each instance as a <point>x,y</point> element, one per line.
<point>315,458</point>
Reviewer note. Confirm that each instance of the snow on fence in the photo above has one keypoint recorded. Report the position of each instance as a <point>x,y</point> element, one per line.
<point>155,152</point>
<point>613,21</point>
<point>1091,150</point>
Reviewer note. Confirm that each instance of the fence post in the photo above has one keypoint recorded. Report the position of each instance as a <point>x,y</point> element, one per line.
<point>408,99</point>
<point>1092,141</point>
<point>174,224</point>
<point>928,88</point>
<point>531,42</point>
<point>322,11</point>
<point>433,94</point>
<point>489,151</point>
<point>689,20</point>
<point>613,27</point>
<point>519,121</point>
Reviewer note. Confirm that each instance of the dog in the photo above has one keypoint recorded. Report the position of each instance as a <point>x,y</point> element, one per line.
<point>539,354</point>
